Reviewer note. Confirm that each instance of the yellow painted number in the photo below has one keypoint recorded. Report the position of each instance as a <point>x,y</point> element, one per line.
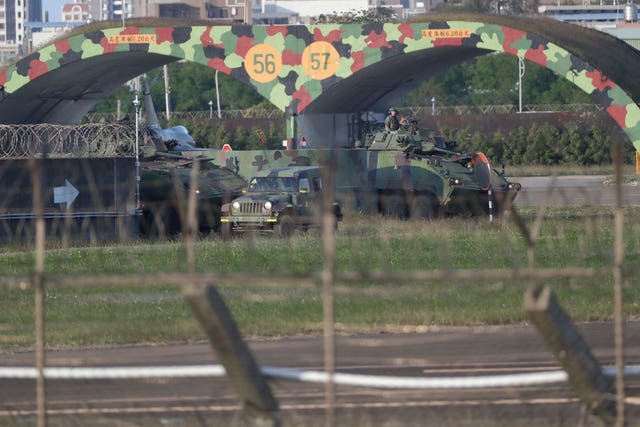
<point>263,63</point>
<point>320,60</point>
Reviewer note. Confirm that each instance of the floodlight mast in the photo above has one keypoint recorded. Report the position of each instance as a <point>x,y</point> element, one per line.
<point>136,105</point>
<point>218,95</point>
<point>521,71</point>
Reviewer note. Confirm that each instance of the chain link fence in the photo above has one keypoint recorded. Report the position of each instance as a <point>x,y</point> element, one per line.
<point>430,298</point>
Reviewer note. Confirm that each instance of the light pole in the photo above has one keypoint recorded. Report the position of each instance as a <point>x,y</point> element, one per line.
<point>136,105</point>
<point>167,91</point>
<point>210,109</point>
<point>218,95</point>
<point>433,105</point>
<point>521,69</point>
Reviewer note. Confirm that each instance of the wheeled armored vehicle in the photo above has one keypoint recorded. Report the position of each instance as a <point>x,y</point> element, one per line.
<point>418,175</point>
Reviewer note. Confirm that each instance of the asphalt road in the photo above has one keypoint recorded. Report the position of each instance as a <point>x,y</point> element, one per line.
<point>578,190</point>
<point>450,352</point>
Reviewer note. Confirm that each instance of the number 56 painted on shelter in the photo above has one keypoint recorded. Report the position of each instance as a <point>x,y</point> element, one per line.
<point>263,63</point>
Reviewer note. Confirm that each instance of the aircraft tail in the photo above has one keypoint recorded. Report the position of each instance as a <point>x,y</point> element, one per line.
<point>174,138</point>
<point>149,109</point>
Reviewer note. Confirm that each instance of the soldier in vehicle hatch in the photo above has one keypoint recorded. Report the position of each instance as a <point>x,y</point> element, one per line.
<point>392,122</point>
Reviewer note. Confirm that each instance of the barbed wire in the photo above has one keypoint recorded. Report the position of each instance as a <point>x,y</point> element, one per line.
<point>445,110</point>
<point>87,140</point>
<point>199,115</point>
<point>415,111</point>
<point>102,136</point>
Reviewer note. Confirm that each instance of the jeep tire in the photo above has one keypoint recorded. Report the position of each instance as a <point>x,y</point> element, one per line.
<point>285,227</point>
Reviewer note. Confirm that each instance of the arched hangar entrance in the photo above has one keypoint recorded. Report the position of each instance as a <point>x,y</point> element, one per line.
<point>321,73</point>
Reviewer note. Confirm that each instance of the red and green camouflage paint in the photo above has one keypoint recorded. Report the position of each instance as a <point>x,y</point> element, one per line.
<point>292,65</point>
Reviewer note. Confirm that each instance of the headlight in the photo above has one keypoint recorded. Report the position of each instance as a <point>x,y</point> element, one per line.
<point>235,207</point>
<point>515,185</point>
<point>268,205</point>
<point>454,181</point>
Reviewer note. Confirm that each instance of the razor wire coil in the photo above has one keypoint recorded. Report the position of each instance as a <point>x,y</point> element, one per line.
<point>87,140</point>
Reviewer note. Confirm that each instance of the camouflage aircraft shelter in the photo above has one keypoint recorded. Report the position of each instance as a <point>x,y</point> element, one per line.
<point>318,73</point>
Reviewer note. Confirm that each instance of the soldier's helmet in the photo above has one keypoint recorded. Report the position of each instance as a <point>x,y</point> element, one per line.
<point>392,110</point>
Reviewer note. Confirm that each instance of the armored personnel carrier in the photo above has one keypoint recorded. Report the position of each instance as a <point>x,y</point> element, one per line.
<point>165,184</point>
<point>417,174</point>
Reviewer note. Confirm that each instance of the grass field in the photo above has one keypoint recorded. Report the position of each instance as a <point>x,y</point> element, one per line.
<point>103,315</point>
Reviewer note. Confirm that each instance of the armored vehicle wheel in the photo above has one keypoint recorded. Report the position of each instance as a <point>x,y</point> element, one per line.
<point>170,223</point>
<point>145,224</point>
<point>394,205</point>
<point>160,222</point>
<point>285,227</point>
<point>423,207</point>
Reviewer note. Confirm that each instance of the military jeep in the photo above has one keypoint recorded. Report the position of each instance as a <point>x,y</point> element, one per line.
<point>278,201</point>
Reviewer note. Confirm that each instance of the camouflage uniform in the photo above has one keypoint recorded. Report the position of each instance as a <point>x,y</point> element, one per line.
<point>392,122</point>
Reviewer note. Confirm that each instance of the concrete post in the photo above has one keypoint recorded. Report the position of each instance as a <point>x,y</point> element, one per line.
<point>572,352</point>
<point>242,370</point>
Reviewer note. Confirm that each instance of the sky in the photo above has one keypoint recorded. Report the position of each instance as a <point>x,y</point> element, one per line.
<point>54,7</point>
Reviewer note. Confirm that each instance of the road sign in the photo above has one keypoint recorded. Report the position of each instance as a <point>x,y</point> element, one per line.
<point>66,194</point>
<point>77,187</point>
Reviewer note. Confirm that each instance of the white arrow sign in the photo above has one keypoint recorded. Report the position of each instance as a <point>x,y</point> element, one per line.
<point>66,194</point>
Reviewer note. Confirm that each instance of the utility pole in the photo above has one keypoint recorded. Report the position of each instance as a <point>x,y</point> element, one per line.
<point>521,70</point>
<point>218,95</point>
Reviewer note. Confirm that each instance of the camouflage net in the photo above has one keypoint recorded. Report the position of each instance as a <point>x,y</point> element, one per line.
<point>88,140</point>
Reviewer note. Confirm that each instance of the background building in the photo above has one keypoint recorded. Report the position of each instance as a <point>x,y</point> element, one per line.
<point>296,11</point>
<point>14,16</point>
<point>97,10</point>
<point>619,19</point>
<point>225,10</point>
<point>75,12</point>
<point>592,15</point>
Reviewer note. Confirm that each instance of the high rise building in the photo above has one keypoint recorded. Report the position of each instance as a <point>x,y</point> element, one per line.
<point>101,10</point>
<point>221,10</point>
<point>14,14</point>
<point>116,9</point>
<point>34,11</point>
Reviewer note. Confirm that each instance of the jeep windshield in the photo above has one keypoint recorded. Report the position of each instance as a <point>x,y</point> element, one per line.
<point>269,184</point>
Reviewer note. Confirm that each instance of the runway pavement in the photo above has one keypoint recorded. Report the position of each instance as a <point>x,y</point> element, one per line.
<point>436,352</point>
<point>578,190</point>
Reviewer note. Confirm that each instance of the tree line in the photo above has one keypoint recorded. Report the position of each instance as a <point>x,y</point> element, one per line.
<point>546,144</point>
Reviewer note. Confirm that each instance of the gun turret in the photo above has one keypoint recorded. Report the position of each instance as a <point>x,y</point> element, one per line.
<point>410,142</point>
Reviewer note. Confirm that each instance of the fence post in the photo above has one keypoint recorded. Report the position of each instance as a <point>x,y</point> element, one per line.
<point>572,352</point>
<point>234,354</point>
